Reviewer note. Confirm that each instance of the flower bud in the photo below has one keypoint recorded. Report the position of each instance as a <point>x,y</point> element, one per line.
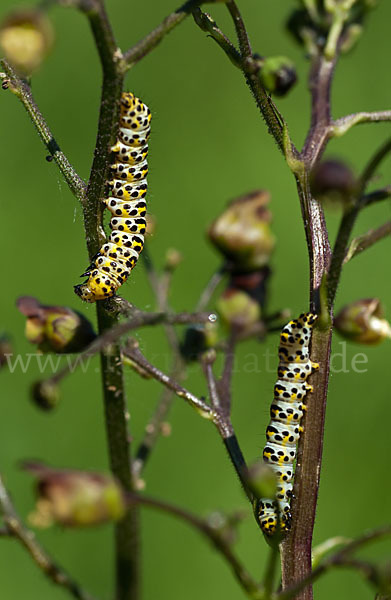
<point>198,339</point>
<point>262,480</point>
<point>242,232</point>
<point>332,180</point>
<point>55,328</point>
<point>26,37</point>
<point>277,75</point>
<point>238,310</point>
<point>5,349</point>
<point>173,259</point>
<point>362,322</point>
<point>45,394</point>
<point>75,498</point>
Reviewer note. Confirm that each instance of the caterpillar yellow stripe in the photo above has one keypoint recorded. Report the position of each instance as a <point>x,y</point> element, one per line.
<point>286,412</point>
<point>113,263</point>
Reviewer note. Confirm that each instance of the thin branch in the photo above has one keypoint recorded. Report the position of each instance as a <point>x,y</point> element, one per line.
<point>342,125</point>
<point>213,534</point>
<point>23,92</point>
<point>144,46</point>
<point>225,383</point>
<point>221,421</point>
<point>376,196</point>
<point>111,336</point>
<point>132,351</point>
<point>362,242</point>
<point>340,558</point>
<point>373,164</point>
<point>263,100</point>
<point>16,528</point>
<point>154,428</point>
<point>210,288</point>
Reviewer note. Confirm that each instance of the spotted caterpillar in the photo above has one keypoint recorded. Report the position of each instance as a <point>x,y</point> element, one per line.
<point>112,265</point>
<point>286,412</point>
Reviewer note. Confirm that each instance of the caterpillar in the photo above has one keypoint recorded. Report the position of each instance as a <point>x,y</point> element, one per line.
<point>112,265</point>
<point>286,412</point>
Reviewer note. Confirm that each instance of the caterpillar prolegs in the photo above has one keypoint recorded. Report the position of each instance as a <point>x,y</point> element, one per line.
<point>112,265</point>
<point>286,412</point>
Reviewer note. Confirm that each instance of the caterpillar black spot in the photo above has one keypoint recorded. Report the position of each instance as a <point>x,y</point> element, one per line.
<point>286,412</point>
<point>112,265</point>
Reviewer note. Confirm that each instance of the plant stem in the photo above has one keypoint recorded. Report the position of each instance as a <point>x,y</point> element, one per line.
<point>23,92</point>
<point>342,125</point>
<point>16,528</point>
<point>215,537</point>
<point>144,46</point>
<point>362,242</point>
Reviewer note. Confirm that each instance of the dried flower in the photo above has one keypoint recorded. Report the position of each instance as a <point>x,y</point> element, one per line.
<point>242,232</point>
<point>26,37</point>
<point>362,322</point>
<point>75,498</point>
<point>55,328</point>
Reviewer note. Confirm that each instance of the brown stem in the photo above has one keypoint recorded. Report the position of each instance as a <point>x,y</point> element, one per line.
<point>214,535</point>
<point>362,242</point>
<point>15,527</point>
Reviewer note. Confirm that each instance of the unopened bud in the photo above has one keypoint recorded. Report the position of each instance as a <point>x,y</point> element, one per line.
<point>45,394</point>
<point>262,480</point>
<point>277,75</point>
<point>238,310</point>
<point>173,259</point>
<point>332,180</point>
<point>362,322</point>
<point>198,339</point>
<point>55,328</point>
<point>243,233</point>
<point>75,498</point>
<point>26,37</point>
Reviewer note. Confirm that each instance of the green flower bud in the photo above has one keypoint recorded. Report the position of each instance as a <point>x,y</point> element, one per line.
<point>362,322</point>
<point>262,480</point>
<point>238,310</point>
<point>55,328</point>
<point>173,259</point>
<point>75,498</point>
<point>333,181</point>
<point>198,339</point>
<point>243,233</point>
<point>45,394</point>
<point>277,75</point>
<point>26,38</point>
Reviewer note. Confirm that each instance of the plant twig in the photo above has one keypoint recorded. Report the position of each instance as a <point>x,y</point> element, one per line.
<point>342,125</point>
<point>144,46</point>
<point>362,242</point>
<point>376,196</point>
<point>15,528</point>
<point>214,535</point>
<point>210,288</point>
<point>23,92</point>
<point>373,164</point>
<point>340,558</point>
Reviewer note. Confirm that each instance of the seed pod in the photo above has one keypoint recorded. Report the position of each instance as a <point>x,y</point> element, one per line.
<point>242,233</point>
<point>362,322</point>
<point>45,394</point>
<point>26,38</point>
<point>55,328</point>
<point>238,310</point>
<point>75,498</point>
<point>277,75</point>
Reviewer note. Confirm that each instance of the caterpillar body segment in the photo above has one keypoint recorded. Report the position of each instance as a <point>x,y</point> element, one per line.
<point>125,200</point>
<point>284,429</point>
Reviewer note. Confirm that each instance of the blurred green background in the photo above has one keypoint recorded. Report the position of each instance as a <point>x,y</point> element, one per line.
<point>208,145</point>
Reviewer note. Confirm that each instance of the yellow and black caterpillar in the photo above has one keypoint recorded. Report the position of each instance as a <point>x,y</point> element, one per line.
<point>126,192</point>
<point>286,412</point>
